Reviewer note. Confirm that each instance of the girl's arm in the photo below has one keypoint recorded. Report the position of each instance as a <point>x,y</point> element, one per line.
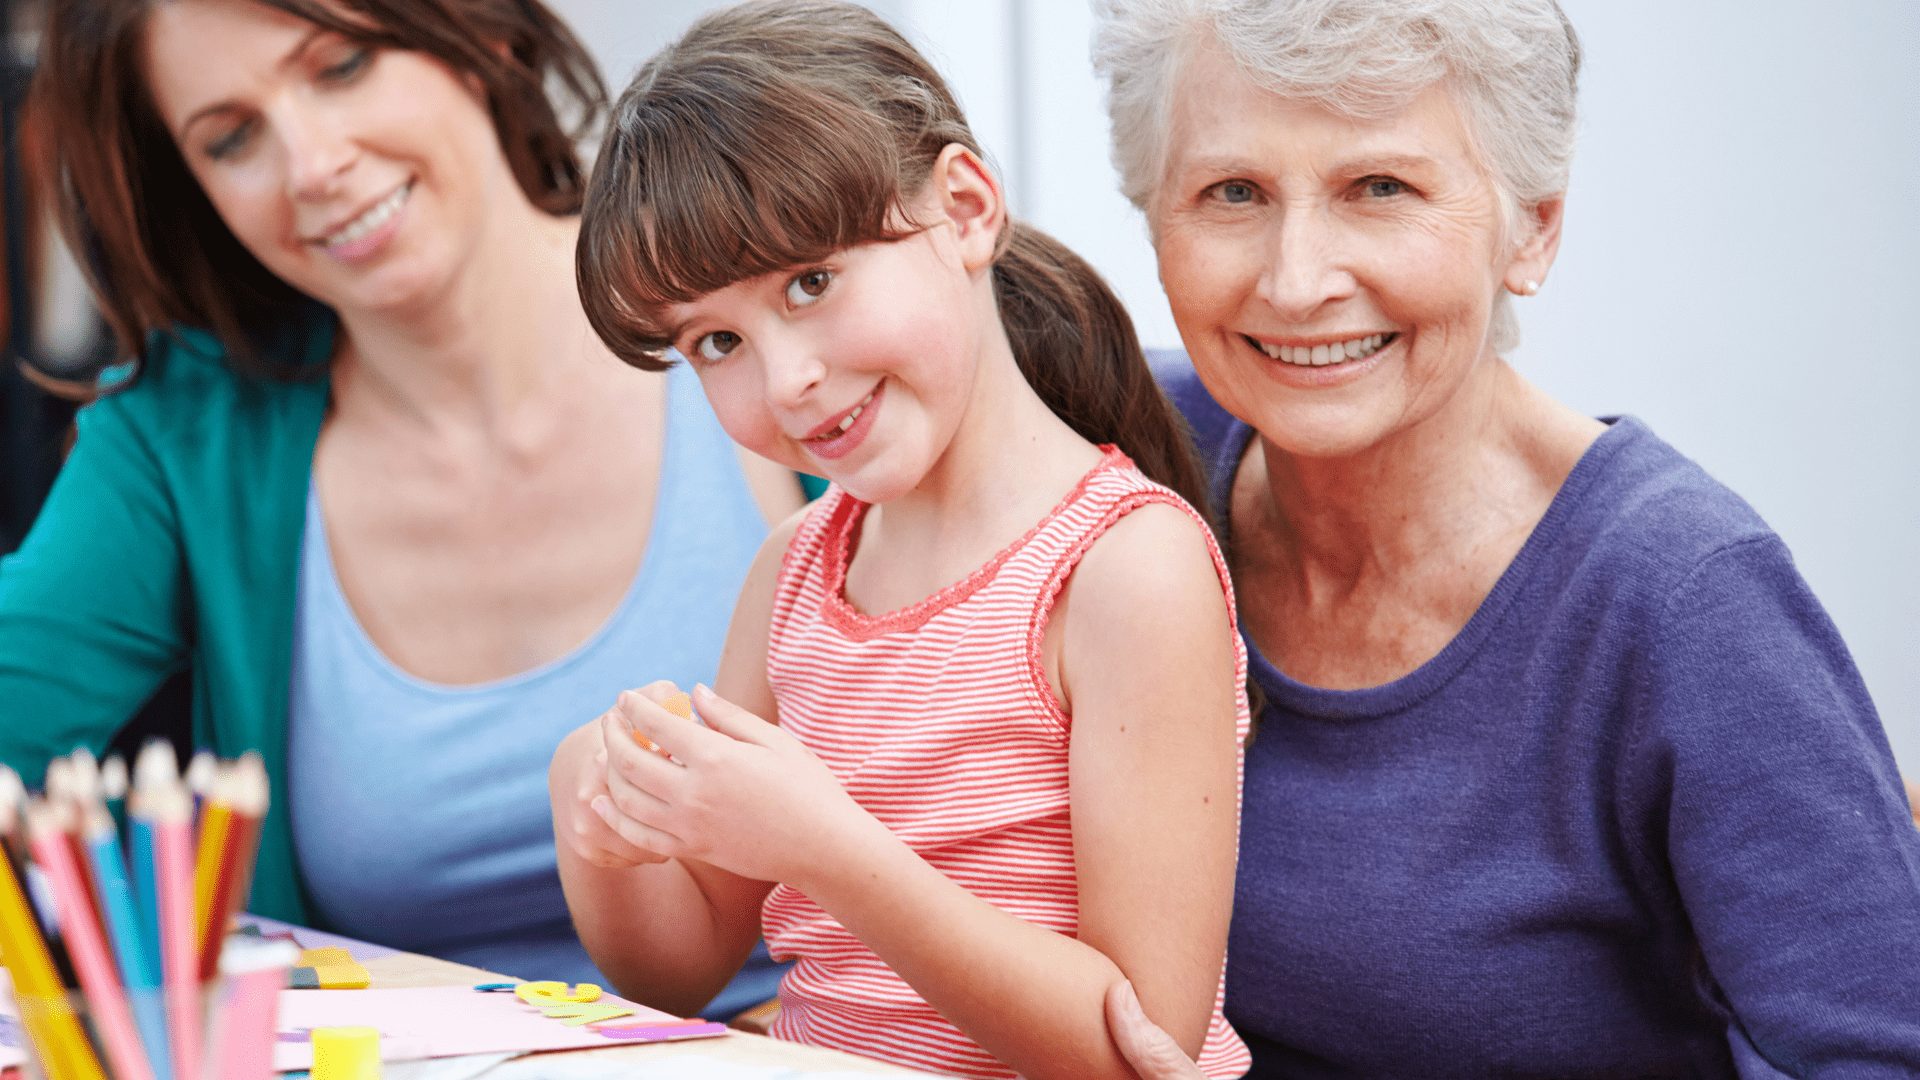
<point>668,932</point>
<point>1145,660</point>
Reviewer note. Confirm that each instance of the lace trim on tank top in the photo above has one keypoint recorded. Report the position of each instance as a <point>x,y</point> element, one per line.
<point>849,620</point>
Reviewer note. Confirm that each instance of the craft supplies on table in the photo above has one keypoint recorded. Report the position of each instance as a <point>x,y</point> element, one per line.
<point>346,1053</point>
<point>127,964</point>
<point>450,1021</point>
<point>328,969</point>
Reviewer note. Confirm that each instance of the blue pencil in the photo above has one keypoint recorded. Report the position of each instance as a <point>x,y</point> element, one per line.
<point>146,885</point>
<point>146,888</point>
<point>137,970</point>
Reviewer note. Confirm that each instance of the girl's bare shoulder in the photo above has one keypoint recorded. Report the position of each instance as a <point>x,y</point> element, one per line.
<point>1158,554</point>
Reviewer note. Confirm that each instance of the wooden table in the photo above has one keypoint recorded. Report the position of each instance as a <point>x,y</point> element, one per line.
<point>399,970</point>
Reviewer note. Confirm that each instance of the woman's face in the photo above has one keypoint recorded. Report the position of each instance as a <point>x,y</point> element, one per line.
<point>362,177</point>
<point>1332,278</point>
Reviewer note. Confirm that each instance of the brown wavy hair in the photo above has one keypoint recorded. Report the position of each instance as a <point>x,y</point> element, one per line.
<point>158,253</point>
<point>775,133</point>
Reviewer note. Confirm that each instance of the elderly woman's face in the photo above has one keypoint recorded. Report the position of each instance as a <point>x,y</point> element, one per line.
<point>1333,279</point>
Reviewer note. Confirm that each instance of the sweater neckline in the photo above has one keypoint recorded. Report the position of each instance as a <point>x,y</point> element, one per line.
<point>1423,681</point>
<point>849,620</point>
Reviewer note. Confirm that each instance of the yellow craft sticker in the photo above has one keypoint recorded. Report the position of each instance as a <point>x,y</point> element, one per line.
<point>544,994</point>
<point>576,1015</point>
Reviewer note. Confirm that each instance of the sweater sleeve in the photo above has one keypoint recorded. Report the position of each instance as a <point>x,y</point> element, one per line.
<point>1786,827</point>
<point>93,606</point>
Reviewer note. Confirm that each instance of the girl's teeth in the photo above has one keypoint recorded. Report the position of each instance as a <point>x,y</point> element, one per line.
<point>847,420</point>
<point>372,219</point>
<point>1322,355</point>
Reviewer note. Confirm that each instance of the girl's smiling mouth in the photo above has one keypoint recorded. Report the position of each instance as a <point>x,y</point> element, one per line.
<point>840,437</point>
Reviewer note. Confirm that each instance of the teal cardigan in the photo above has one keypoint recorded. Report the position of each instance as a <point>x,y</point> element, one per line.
<point>170,540</point>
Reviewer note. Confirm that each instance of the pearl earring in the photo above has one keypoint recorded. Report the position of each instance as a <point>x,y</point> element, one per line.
<point>1529,287</point>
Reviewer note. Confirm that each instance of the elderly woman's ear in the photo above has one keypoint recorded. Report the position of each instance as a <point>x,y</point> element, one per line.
<point>1534,257</point>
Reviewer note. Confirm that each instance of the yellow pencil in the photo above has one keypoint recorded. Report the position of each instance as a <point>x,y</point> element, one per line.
<point>215,820</point>
<point>44,1009</point>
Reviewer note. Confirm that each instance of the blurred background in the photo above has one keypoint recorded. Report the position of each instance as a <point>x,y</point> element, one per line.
<point>1742,251</point>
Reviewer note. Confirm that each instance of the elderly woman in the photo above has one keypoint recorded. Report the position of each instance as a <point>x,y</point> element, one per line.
<point>1563,771</point>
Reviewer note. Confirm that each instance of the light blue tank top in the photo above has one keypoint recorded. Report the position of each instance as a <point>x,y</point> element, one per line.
<point>420,810</point>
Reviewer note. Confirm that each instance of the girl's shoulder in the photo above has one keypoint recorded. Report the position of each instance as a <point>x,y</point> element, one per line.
<point>1144,548</point>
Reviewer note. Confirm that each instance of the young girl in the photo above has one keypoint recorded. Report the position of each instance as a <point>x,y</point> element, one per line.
<point>1000,655</point>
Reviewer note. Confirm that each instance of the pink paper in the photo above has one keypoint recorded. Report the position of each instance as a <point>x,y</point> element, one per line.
<point>447,1021</point>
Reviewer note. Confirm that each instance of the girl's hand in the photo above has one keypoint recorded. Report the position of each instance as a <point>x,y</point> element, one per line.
<point>575,779</point>
<point>737,793</point>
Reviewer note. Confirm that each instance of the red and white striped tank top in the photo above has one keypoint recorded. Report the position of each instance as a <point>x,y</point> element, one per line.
<point>939,721</point>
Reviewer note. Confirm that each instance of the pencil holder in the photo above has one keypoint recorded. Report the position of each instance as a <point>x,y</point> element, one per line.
<point>118,953</point>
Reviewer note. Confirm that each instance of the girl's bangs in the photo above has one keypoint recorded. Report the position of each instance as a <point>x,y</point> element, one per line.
<point>706,182</point>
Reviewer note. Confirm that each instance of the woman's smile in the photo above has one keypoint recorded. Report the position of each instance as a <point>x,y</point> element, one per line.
<point>1323,353</point>
<point>369,230</point>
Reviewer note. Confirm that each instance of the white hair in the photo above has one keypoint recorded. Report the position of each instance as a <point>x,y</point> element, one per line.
<point>1512,65</point>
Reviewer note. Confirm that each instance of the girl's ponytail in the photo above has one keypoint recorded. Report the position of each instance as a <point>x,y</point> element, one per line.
<point>1076,345</point>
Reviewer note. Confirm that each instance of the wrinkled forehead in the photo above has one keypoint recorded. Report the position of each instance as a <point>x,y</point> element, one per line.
<point>1222,118</point>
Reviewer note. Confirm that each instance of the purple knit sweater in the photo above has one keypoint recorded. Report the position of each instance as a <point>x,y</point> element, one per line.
<point>1639,819</point>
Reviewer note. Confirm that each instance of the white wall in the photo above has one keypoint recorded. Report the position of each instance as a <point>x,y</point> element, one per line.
<point>1742,250</point>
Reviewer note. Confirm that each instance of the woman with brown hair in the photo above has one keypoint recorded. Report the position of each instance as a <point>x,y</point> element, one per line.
<point>374,479</point>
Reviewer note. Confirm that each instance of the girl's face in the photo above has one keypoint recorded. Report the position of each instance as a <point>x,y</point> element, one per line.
<point>860,368</point>
<point>361,177</point>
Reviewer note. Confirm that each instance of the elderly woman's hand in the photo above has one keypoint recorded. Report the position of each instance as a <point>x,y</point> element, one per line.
<point>1151,1051</point>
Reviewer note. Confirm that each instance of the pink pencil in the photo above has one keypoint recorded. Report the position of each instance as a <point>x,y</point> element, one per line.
<point>166,804</point>
<point>112,1018</point>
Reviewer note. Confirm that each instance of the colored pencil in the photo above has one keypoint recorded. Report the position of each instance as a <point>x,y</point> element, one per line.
<point>113,778</point>
<point>216,817</point>
<point>33,877</point>
<point>84,783</point>
<point>139,973</point>
<point>52,846</point>
<point>145,883</point>
<point>245,804</point>
<point>241,1029</point>
<point>45,1012</point>
<point>168,810</point>
<point>199,775</point>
